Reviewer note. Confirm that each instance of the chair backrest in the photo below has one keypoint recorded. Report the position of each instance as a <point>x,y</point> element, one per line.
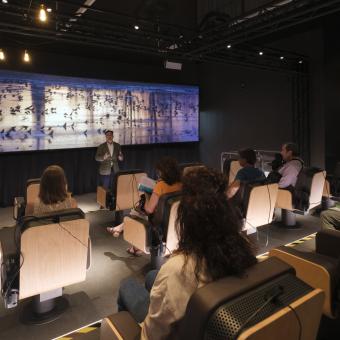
<point>219,309</point>
<point>260,204</point>
<point>171,235</point>
<point>54,251</point>
<point>309,187</point>
<point>126,188</point>
<point>233,170</point>
<point>32,193</point>
<point>187,167</point>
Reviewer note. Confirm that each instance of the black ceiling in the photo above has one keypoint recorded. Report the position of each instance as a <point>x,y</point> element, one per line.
<point>167,28</point>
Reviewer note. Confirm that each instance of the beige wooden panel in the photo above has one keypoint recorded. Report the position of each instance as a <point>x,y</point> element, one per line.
<point>284,325</point>
<point>261,205</point>
<point>127,190</point>
<point>135,233</point>
<point>234,168</point>
<point>53,258</point>
<point>318,183</point>
<point>31,196</point>
<point>101,196</point>
<point>172,238</point>
<point>311,273</point>
<point>284,200</point>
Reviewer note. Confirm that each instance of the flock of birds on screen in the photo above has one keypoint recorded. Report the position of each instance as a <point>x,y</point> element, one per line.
<point>39,115</point>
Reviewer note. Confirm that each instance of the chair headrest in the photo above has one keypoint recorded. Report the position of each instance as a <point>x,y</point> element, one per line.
<point>327,242</point>
<point>52,217</point>
<point>32,181</point>
<point>128,172</point>
<point>207,299</point>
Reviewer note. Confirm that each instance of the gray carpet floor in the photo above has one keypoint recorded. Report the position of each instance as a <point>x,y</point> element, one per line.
<point>95,298</point>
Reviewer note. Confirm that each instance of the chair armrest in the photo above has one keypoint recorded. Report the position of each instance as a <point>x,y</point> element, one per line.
<point>327,242</point>
<point>284,200</point>
<point>136,233</point>
<point>19,207</point>
<point>120,326</point>
<point>317,270</point>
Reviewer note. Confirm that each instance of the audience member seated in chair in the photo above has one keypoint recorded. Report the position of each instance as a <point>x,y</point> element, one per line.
<point>53,194</point>
<point>210,247</point>
<point>292,166</point>
<point>169,181</point>
<point>248,174</point>
<point>330,219</point>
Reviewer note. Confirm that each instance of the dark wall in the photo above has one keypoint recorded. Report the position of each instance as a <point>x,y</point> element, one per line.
<point>242,107</point>
<point>332,93</point>
<point>310,42</point>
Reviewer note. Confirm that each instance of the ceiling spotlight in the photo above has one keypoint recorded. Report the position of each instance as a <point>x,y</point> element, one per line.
<point>27,57</point>
<point>136,27</point>
<point>42,13</point>
<point>49,10</point>
<point>5,1</point>
<point>281,58</point>
<point>2,55</point>
<point>300,61</point>
<point>228,46</point>
<point>260,53</point>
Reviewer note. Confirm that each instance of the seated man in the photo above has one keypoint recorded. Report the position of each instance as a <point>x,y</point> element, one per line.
<point>248,173</point>
<point>292,166</point>
<point>330,219</point>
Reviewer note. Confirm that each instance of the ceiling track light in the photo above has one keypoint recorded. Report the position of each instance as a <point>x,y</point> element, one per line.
<point>2,55</point>
<point>228,46</point>
<point>281,58</point>
<point>136,27</point>
<point>42,13</point>
<point>300,61</point>
<point>260,53</point>
<point>5,1</point>
<point>27,57</point>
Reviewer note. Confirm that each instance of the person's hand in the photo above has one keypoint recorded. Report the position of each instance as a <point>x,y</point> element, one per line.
<point>120,157</point>
<point>106,156</point>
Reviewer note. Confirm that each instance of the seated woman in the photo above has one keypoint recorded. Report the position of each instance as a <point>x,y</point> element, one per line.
<point>248,173</point>
<point>169,181</point>
<point>210,247</point>
<point>53,194</point>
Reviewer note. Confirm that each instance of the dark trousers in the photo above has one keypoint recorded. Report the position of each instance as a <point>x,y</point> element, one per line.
<point>106,181</point>
<point>134,297</point>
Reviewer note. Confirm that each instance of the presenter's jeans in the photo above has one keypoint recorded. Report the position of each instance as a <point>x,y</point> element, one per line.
<point>134,297</point>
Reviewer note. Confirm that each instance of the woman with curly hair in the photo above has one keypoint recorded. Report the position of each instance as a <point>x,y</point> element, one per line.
<point>211,246</point>
<point>169,181</point>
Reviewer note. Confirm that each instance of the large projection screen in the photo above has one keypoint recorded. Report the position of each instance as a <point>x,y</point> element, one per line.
<point>42,112</point>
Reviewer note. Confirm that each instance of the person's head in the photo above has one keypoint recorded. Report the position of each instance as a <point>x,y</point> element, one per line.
<point>168,170</point>
<point>289,151</point>
<point>109,136</point>
<point>208,227</point>
<point>247,157</point>
<point>53,185</point>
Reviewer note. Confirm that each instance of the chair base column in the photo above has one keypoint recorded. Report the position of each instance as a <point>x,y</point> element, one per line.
<point>288,219</point>
<point>157,258</point>
<point>41,312</point>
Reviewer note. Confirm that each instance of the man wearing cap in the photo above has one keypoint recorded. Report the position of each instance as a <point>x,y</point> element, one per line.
<point>108,154</point>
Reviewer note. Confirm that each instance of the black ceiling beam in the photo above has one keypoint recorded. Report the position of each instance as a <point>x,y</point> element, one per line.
<point>267,23</point>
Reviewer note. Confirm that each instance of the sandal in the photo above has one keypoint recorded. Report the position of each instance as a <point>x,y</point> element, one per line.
<point>115,233</point>
<point>134,251</point>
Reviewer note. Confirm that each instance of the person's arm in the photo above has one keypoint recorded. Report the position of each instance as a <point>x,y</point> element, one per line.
<point>151,204</point>
<point>289,175</point>
<point>120,154</point>
<point>74,203</point>
<point>101,155</point>
<point>233,188</point>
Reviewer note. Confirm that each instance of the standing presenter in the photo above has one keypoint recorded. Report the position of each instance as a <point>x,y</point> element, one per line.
<point>108,154</point>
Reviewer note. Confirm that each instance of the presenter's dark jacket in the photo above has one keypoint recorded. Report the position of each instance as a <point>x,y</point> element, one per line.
<point>110,162</point>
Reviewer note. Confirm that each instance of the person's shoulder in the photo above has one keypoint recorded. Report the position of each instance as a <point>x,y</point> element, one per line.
<point>101,145</point>
<point>174,264</point>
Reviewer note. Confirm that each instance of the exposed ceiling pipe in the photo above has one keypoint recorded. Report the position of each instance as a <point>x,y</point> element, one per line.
<point>82,10</point>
